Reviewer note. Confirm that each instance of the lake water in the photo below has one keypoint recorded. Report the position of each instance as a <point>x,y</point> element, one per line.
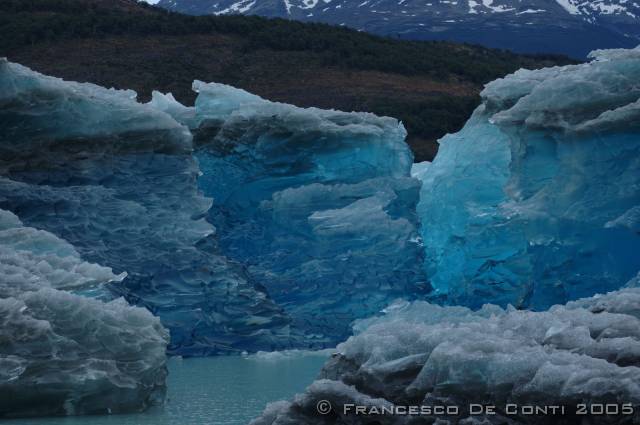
<point>216,390</point>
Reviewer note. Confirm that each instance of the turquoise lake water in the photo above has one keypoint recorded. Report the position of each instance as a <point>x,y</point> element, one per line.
<point>215,391</point>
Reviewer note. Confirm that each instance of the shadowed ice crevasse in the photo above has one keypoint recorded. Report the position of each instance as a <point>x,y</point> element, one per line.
<point>319,205</point>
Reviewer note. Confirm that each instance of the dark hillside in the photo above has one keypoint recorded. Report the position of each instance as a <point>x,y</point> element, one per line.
<point>431,86</point>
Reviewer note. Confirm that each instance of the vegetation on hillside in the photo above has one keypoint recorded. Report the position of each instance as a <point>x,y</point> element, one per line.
<point>32,30</point>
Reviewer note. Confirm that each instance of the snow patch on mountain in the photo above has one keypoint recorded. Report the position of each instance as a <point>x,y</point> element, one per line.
<point>572,27</point>
<point>569,7</point>
<point>236,8</point>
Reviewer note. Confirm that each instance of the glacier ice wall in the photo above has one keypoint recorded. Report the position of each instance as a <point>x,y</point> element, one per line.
<point>318,204</point>
<point>587,351</point>
<point>536,201</point>
<point>117,181</point>
<point>62,353</point>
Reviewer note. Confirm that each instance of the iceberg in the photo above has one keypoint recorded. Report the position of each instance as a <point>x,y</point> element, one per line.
<point>116,180</point>
<point>66,354</point>
<point>102,211</point>
<point>245,225</point>
<point>319,205</point>
<point>529,222</point>
<point>242,225</point>
<point>536,200</point>
<point>584,353</point>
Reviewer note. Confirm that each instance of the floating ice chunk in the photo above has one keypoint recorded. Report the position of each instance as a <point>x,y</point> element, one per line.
<point>63,354</point>
<point>585,352</point>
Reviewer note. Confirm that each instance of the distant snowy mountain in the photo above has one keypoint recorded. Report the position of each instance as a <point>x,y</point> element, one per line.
<point>560,26</point>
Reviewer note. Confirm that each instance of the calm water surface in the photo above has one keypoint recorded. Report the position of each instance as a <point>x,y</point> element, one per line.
<point>215,391</point>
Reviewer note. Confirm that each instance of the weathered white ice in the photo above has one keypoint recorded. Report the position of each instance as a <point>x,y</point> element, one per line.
<point>423,354</point>
<point>32,259</point>
<point>64,354</point>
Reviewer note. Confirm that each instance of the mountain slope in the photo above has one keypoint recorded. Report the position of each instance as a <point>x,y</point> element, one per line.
<point>431,86</point>
<point>570,27</point>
